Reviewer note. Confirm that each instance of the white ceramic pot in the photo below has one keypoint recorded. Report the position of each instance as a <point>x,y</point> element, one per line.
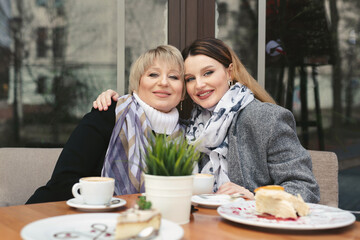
<point>171,196</point>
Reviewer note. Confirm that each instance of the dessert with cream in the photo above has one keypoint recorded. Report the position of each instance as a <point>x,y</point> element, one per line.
<point>132,221</point>
<point>275,201</point>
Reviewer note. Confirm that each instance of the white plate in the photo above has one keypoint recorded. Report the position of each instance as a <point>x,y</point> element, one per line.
<point>213,200</point>
<point>320,217</point>
<point>76,203</point>
<point>99,226</point>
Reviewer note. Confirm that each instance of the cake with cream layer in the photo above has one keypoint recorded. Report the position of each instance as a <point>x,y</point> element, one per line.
<point>277,202</point>
<point>132,221</point>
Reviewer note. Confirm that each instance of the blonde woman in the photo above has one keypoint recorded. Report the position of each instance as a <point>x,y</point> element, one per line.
<point>102,138</point>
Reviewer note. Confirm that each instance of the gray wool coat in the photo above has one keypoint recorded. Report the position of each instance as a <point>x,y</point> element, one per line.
<point>265,150</point>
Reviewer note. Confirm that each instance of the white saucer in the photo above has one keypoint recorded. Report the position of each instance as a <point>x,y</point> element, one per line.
<point>115,203</point>
<point>213,200</point>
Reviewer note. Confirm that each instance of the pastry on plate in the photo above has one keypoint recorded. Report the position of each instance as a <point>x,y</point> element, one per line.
<point>132,221</point>
<point>276,201</point>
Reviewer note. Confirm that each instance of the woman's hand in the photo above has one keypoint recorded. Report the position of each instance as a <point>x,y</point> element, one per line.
<point>232,188</point>
<point>104,99</point>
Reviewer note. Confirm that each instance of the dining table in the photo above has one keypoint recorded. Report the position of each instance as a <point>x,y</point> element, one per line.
<point>205,223</point>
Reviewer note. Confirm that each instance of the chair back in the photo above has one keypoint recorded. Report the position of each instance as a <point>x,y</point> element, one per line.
<point>325,169</point>
<point>23,170</point>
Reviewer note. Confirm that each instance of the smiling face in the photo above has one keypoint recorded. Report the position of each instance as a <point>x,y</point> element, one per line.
<point>161,86</point>
<point>206,80</point>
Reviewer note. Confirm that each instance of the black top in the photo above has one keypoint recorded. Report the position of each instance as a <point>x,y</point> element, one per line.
<point>83,155</point>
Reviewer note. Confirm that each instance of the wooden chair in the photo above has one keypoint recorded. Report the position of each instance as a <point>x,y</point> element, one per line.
<point>325,169</point>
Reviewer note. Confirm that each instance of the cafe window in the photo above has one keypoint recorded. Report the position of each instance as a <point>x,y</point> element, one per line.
<point>41,3</point>
<point>311,68</point>
<point>237,25</point>
<point>41,84</point>
<point>60,7</point>
<point>57,87</point>
<point>142,30</point>
<point>59,41</point>
<point>41,47</point>
<point>68,55</point>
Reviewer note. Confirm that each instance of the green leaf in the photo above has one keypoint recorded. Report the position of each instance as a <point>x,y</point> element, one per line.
<point>143,204</point>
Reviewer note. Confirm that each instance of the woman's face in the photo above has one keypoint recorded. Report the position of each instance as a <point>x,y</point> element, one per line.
<point>161,86</point>
<point>206,80</point>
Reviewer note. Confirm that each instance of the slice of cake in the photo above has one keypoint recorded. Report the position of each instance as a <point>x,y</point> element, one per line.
<point>132,221</point>
<point>275,201</point>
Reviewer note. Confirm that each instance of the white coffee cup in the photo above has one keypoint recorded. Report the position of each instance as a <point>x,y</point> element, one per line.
<point>94,190</point>
<point>203,184</point>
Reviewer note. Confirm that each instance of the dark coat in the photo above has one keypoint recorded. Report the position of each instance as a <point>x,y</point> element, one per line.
<point>83,155</point>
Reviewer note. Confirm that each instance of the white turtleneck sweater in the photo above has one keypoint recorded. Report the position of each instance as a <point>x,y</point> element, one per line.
<point>163,123</point>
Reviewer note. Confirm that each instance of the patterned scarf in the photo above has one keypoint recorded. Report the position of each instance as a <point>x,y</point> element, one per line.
<point>124,158</point>
<point>209,130</point>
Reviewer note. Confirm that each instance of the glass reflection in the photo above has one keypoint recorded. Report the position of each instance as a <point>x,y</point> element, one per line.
<point>237,25</point>
<point>145,28</point>
<point>57,56</point>
<point>312,69</point>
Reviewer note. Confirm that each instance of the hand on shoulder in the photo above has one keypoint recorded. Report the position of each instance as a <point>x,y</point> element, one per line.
<point>103,101</point>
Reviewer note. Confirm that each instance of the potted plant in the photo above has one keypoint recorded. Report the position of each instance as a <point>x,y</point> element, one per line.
<point>168,176</point>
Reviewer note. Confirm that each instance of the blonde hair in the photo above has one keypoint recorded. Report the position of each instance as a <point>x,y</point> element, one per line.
<point>219,51</point>
<point>165,53</point>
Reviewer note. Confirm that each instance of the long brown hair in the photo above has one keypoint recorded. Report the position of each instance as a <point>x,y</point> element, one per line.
<point>219,51</point>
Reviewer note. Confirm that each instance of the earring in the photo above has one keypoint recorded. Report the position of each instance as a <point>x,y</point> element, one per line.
<point>230,82</point>
<point>181,106</point>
